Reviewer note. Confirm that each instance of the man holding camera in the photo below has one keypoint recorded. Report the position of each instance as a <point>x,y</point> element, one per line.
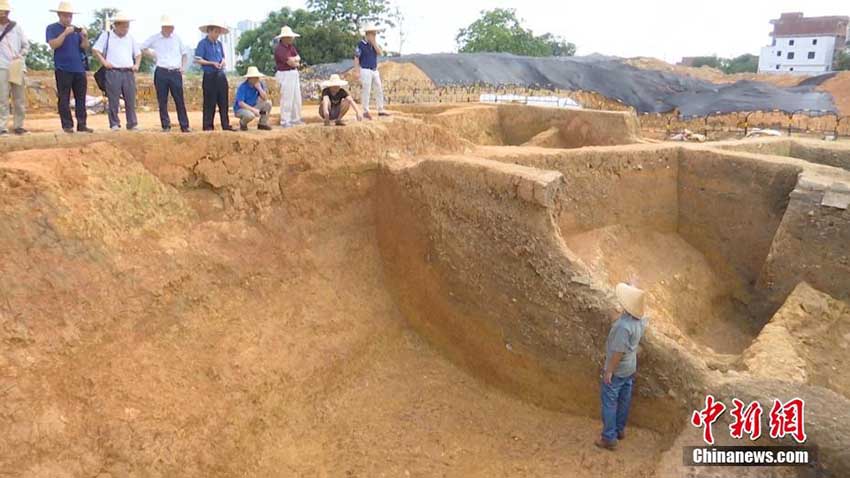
<point>68,43</point>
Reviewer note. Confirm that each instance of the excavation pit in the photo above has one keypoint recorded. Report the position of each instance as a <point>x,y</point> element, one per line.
<point>423,303</point>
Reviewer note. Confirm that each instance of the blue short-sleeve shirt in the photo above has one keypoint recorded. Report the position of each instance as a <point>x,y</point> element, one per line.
<point>210,51</point>
<point>247,93</point>
<point>367,55</point>
<point>69,56</point>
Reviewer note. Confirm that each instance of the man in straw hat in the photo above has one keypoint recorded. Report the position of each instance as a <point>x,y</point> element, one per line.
<point>287,61</point>
<point>252,101</point>
<point>121,55</point>
<point>210,55</point>
<point>336,101</point>
<point>13,49</point>
<point>621,364</point>
<point>366,67</point>
<point>69,44</point>
<point>168,50</point>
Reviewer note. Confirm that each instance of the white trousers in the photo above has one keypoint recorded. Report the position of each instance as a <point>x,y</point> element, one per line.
<point>368,79</point>
<point>290,97</point>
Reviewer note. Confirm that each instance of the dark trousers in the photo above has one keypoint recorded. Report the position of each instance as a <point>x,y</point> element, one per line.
<point>216,93</point>
<point>170,82</point>
<point>66,82</point>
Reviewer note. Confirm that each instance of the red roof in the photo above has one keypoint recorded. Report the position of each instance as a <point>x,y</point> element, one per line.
<point>794,24</point>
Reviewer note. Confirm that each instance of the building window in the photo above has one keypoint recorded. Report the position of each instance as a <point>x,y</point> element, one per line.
<point>791,69</point>
<point>790,42</point>
<point>815,41</point>
<point>811,55</point>
<point>790,55</point>
<point>777,67</point>
<point>774,42</point>
<point>779,53</point>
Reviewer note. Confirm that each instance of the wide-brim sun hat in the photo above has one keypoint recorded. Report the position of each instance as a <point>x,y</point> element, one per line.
<point>370,27</point>
<point>631,298</point>
<point>121,17</point>
<point>253,72</point>
<point>4,6</point>
<point>334,80</point>
<point>64,7</point>
<point>166,21</point>
<point>224,29</point>
<point>287,32</point>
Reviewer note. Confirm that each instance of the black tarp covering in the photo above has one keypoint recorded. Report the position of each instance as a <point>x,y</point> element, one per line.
<point>648,91</point>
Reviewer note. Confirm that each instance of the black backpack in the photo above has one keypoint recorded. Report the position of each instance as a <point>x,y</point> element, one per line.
<point>100,74</point>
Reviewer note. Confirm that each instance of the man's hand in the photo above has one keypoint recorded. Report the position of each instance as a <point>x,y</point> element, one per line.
<point>259,87</point>
<point>84,34</point>
<point>607,377</point>
<point>136,68</point>
<point>68,30</point>
<point>107,65</point>
<point>220,65</point>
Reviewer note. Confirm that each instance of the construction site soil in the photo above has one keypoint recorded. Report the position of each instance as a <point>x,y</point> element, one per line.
<point>424,295</point>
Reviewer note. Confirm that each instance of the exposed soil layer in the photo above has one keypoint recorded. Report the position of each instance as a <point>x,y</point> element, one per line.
<point>310,303</point>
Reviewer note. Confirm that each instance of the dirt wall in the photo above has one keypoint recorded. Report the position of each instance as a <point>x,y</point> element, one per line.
<point>730,208</point>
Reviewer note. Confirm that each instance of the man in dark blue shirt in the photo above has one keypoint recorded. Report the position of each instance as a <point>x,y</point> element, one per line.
<point>69,44</point>
<point>210,56</point>
<point>366,66</point>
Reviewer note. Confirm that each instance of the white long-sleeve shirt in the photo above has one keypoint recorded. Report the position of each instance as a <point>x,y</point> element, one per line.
<point>15,44</point>
<point>169,50</point>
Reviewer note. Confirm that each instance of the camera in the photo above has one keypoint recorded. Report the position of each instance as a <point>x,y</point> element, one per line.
<point>78,29</point>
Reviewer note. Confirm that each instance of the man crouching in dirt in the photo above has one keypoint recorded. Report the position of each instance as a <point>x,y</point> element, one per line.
<point>618,377</point>
<point>336,101</point>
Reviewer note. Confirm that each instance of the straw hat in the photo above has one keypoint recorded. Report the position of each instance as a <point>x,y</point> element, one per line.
<point>4,6</point>
<point>631,298</point>
<point>253,72</point>
<point>166,21</point>
<point>64,7</point>
<point>287,32</point>
<point>121,17</point>
<point>224,29</point>
<point>370,27</point>
<point>334,80</point>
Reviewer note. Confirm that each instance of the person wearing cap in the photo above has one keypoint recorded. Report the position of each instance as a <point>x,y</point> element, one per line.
<point>68,44</point>
<point>287,61</point>
<point>618,376</point>
<point>121,55</point>
<point>168,50</point>
<point>366,67</point>
<point>252,101</point>
<point>13,50</point>
<point>210,55</point>
<point>336,101</point>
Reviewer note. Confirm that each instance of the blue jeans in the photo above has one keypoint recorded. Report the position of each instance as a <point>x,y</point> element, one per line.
<point>616,400</point>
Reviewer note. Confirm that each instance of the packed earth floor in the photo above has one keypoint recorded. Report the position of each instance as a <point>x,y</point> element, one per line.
<point>424,295</point>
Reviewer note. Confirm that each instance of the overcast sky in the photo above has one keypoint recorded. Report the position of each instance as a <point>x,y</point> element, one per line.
<point>664,29</point>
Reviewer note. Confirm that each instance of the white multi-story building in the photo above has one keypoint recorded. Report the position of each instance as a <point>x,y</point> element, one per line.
<point>231,40</point>
<point>805,46</point>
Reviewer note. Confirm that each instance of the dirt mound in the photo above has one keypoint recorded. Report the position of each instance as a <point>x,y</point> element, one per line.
<point>713,74</point>
<point>839,87</point>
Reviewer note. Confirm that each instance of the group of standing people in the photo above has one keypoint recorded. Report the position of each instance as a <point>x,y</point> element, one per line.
<point>120,57</point>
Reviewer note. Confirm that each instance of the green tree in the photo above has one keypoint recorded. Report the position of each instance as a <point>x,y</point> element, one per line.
<point>40,57</point>
<point>320,41</point>
<point>353,14</point>
<point>745,63</point>
<point>499,30</point>
<point>843,62</point>
<point>96,27</point>
<point>710,61</point>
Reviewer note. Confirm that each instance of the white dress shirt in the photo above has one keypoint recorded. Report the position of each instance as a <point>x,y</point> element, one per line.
<point>169,50</point>
<point>122,51</point>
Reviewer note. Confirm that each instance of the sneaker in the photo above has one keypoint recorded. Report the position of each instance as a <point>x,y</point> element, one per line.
<point>83,129</point>
<point>185,130</point>
<point>383,113</point>
<point>367,116</point>
<point>68,130</point>
<point>243,127</point>
<point>340,123</point>
<point>20,131</point>
<point>134,129</point>
<point>264,127</point>
<point>297,122</point>
<point>115,128</point>
<point>605,444</point>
